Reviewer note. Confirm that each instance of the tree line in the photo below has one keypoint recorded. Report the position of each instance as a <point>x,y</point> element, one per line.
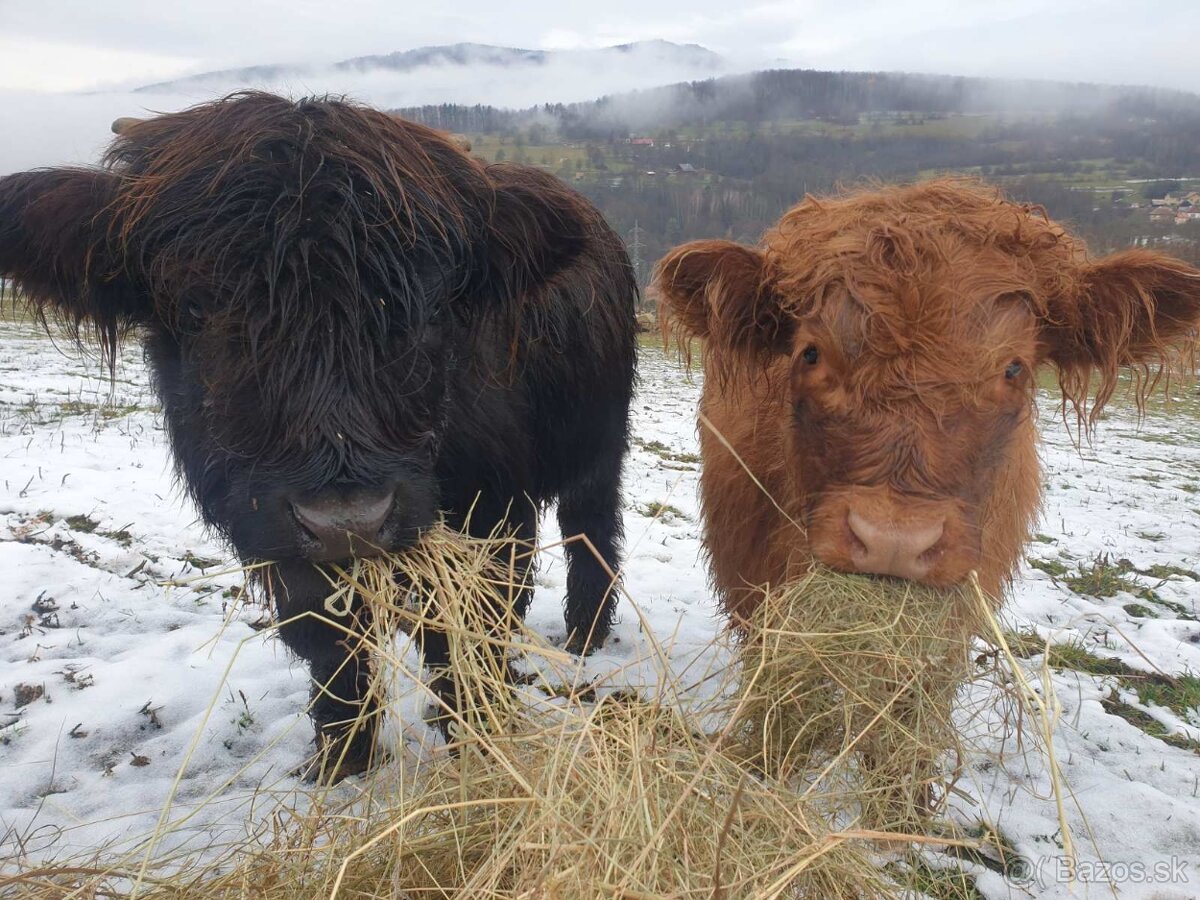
<point>757,144</point>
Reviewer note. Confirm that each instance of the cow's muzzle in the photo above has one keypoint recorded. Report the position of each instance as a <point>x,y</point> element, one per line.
<point>878,531</point>
<point>338,524</point>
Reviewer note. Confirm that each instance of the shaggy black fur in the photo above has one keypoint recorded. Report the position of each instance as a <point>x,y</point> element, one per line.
<point>333,301</point>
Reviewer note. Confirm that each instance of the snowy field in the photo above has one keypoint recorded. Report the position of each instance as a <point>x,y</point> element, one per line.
<point>128,657</point>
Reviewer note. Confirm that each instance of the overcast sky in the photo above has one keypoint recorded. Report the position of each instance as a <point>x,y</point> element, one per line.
<point>53,50</point>
<point>77,44</point>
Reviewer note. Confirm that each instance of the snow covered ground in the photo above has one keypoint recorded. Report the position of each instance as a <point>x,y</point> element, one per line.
<point>127,656</point>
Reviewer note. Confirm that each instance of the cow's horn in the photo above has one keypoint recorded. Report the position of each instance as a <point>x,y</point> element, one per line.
<point>123,124</point>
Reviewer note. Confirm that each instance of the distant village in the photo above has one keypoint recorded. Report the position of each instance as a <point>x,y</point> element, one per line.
<point>1174,209</point>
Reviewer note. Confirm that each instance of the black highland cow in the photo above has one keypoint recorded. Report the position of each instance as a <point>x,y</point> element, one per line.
<point>354,328</point>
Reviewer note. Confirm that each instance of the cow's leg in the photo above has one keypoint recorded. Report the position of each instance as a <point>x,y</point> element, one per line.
<point>592,507</point>
<point>344,712</point>
<point>489,516</point>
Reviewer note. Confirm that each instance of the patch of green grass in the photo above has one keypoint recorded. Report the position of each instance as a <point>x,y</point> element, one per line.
<point>1153,536</point>
<point>1162,572</point>
<point>1176,402</point>
<point>1055,568</point>
<point>996,852</point>
<point>1155,439</point>
<point>1105,578</point>
<point>659,510</point>
<point>85,524</point>
<point>1043,538</point>
<point>1025,643</point>
<point>1139,611</point>
<point>201,562</point>
<point>1114,705</point>
<point>42,411</point>
<point>121,536</point>
<point>1181,611</point>
<point>1075,656</point>
<point>917,878</point>
<point>661,450</point>
<point>103,410</point>
<point>1178,693</point>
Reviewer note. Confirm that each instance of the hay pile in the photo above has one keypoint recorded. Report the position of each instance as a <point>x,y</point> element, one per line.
<point>836,721</point>
<point>621,801</point>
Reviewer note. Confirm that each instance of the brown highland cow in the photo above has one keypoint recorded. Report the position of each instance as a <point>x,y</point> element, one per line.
<point>870,376</point>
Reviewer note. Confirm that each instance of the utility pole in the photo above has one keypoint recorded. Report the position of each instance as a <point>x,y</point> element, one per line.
<point>635,251</point>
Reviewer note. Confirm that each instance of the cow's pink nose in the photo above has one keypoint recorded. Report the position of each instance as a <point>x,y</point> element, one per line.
<point>903,549</point>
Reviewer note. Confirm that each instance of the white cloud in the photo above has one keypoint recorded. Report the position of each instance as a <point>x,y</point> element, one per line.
<point>33,64</point>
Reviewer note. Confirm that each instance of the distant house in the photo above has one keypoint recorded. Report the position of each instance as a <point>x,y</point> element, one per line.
<point>1163,215</point>
<point>642,142</point>
<point>686,169</point>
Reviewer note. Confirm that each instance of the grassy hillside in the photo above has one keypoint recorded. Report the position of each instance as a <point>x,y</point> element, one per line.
<point>726,157</point>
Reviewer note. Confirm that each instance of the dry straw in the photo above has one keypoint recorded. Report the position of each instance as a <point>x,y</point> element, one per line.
<point>850,684</point>
<point>835,727</point>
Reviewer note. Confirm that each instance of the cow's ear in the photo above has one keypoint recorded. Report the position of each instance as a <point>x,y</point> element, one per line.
<point>1136,310</point>
<point>536,228</point>
<point>718,291</point>
<point>55,250</point>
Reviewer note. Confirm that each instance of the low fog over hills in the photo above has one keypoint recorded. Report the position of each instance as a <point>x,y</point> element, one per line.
<point>57,128</point>
<point>642,86</point>
<point>476,73</point>
<point>790,95</point>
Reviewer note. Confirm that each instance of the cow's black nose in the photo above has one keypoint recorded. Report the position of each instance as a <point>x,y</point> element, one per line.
<point>342,524</point>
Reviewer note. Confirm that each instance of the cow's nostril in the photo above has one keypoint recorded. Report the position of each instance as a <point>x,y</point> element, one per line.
<point>298,519</point>
<point>344,524</point>
<point>934,552</point>
<point>856,544</point>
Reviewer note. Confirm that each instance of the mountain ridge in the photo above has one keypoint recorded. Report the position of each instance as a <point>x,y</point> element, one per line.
<point>462,54</point>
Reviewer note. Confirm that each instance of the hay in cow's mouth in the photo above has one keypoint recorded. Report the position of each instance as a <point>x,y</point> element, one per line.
<point>849,681</point>
<point>832,723</point>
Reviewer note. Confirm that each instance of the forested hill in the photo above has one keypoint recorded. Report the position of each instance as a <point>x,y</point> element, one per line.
<point>792,94</point>
<point>726,157</point>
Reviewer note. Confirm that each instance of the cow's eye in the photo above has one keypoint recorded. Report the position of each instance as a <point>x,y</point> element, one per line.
<point>810,355</point>
<point>1014,370</point>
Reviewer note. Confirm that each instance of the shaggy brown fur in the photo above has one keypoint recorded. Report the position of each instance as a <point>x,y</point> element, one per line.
<point>876,357</point>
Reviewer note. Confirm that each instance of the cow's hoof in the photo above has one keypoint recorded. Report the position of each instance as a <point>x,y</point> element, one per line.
<point>580,644</point>
<point>325,771</point>
<point>329,765</point>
